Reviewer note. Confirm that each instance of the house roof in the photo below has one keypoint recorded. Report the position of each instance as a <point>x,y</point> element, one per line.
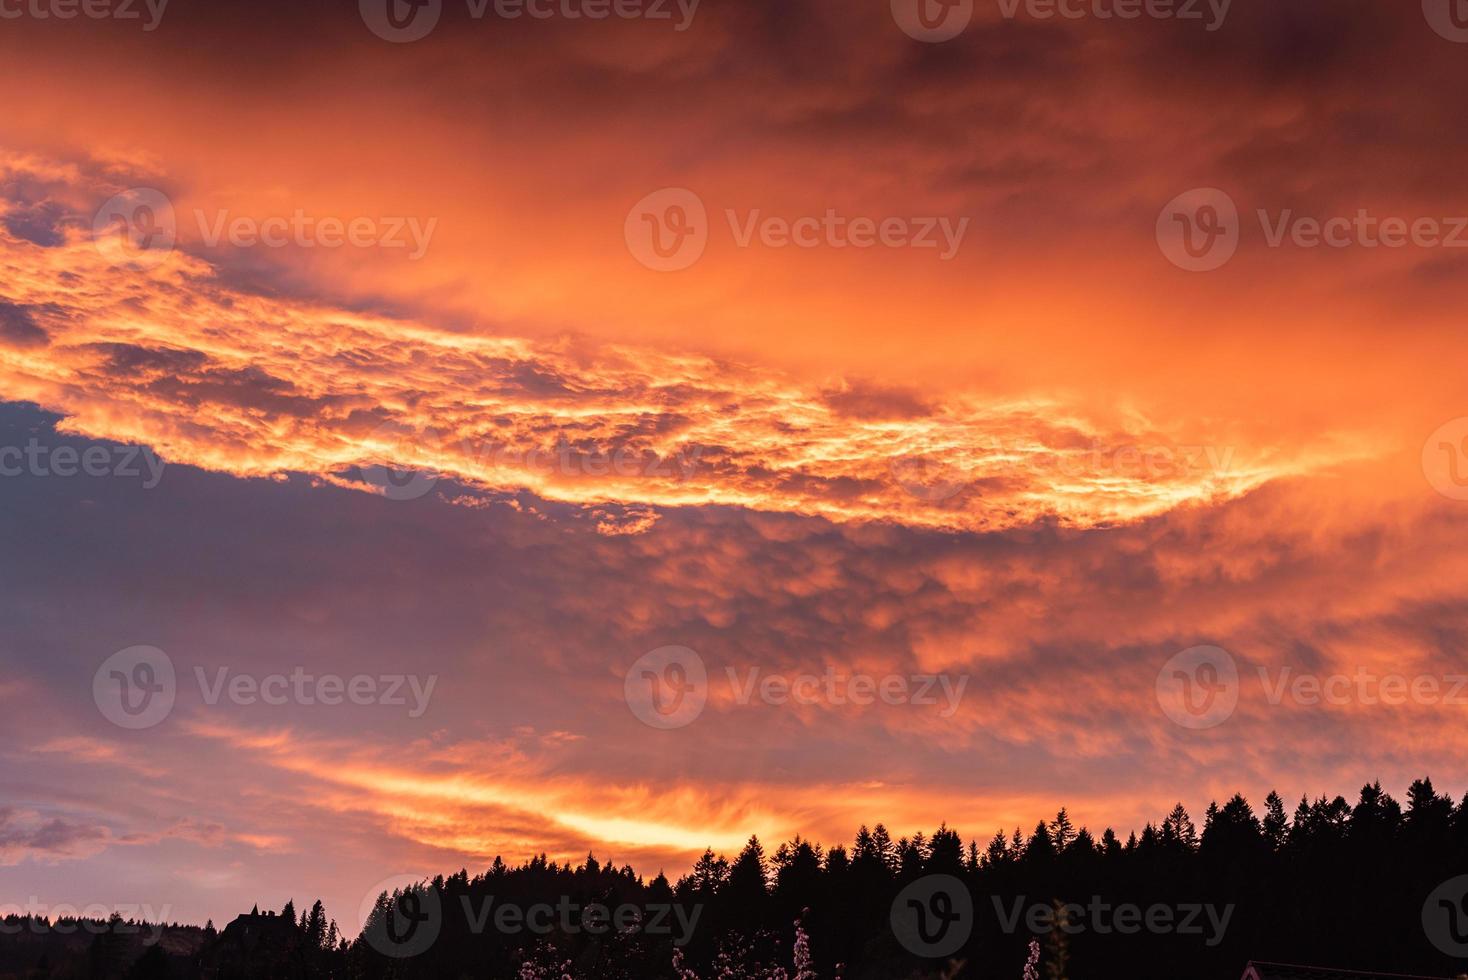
<point>1283,971</point>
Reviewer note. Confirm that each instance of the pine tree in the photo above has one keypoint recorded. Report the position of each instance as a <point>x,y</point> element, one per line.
<point>1061,831</point>
<point>998,851</point>
<point>315,929</point>
<point>1178,829</point>
<point>710,872</point>
<point>1040,848</point>
<point>748,876</point>
<point>1276,825</point>
<point>945,851</point>
<point>886,850</point>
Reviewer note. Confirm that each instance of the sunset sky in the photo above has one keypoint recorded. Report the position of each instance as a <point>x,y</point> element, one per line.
<point>1040,455</point>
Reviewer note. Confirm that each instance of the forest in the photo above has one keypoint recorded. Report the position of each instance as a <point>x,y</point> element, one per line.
<point>1363,886</point>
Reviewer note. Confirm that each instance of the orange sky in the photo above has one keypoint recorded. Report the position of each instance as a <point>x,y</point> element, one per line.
<point>1047,462</point>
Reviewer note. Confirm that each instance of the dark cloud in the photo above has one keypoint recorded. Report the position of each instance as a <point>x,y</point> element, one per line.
<point>129,358</point>
<point>19,328</point>
<point>39,223</point>
<point>28,835</point>
<point>872,401</point>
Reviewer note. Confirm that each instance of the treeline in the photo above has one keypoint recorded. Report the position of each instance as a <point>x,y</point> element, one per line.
<point>1328,883</point>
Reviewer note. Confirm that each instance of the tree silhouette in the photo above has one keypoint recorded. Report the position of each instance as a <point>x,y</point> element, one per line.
<point>1335,884</point>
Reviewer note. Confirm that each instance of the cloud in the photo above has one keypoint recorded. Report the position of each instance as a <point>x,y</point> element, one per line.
<point>258,386</point>
<point>30,835</point>
<point>18,328</point>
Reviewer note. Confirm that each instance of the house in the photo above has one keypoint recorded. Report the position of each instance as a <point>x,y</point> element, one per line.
<point>1281,971</point>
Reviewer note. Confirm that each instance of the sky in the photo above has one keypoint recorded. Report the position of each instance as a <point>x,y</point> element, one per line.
<point>539,371</point>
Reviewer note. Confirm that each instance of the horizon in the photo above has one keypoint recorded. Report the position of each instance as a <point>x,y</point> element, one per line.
<point>433,430</point>
<point>608,862</point>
